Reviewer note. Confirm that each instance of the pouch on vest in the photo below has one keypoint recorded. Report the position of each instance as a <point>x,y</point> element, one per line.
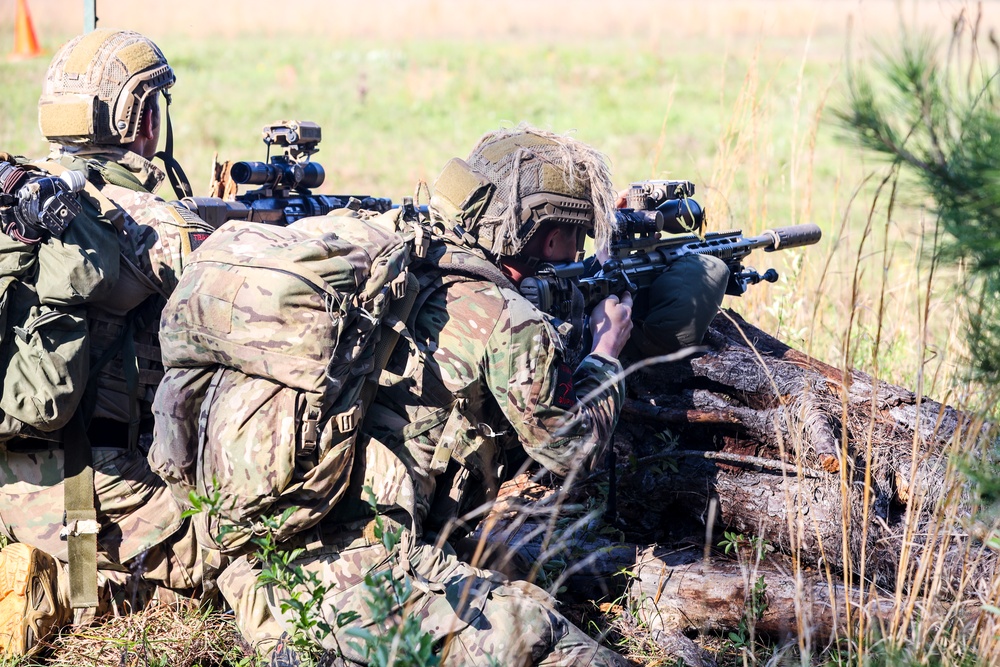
<point>47,363</point>
<point>82,265</point>
<point>16,258</point>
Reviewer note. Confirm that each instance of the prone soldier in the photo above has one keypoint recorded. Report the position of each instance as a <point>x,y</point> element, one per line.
<point>484,379</point>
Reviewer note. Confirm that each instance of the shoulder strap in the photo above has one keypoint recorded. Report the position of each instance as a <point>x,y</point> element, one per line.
<point>447,258</point>
<point>93,195</point>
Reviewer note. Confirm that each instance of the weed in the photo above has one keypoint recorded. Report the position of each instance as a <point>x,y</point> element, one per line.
<point>750,552</point>
<point>395,639</point>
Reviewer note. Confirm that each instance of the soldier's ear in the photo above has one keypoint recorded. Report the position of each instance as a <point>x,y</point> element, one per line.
<point>149,122</point>
<point>549,241</point>
<point>554,241</point>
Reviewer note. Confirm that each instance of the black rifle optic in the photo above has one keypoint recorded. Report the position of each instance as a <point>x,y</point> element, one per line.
<point>34,204</point>
<point>286,182</point>
<point>638,254</point>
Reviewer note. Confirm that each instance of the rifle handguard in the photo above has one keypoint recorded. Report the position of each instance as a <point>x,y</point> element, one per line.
<point>793,236</point>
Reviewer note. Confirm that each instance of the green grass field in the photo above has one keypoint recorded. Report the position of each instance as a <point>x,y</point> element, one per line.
<point>734,97</point>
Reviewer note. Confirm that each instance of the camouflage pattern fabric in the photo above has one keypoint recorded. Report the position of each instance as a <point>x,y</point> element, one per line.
<point>683,300</point>
<point>138,514</point>
<point>474,615</point>
<point>268,341</point>
<point>141,524</point>
<point>485,375</point>
<point>429,456</point>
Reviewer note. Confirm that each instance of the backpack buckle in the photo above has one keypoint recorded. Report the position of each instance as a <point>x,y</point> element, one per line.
<point>397,288</point>
<point>310,432</point>
<point>421,241</point>
<point>442,455</point>
<point>348,421</point>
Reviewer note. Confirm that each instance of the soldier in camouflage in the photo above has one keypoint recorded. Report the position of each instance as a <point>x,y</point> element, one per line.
<point>484,379</point>
<point>100,109</point>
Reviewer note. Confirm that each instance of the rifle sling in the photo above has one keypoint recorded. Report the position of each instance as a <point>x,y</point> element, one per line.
<point>81,525</point>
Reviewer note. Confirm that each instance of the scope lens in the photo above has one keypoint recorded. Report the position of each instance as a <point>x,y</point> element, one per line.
<point>251,173</point>
<point>313,175</point>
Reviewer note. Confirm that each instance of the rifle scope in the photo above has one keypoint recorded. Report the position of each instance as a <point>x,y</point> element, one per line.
<point>677,216</point>
<point>279,173</point>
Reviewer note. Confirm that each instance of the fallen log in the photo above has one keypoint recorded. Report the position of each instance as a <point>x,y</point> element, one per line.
<point>845,474</point>
<point>680,591</point>
<point>832,466</point>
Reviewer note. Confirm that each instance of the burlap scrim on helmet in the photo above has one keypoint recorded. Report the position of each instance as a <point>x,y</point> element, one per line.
<point>524,161</point>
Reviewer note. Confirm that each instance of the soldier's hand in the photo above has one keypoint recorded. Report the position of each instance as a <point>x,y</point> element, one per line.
<point>611,325</point>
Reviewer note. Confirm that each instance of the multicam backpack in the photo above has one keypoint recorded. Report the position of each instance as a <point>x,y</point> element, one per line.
<point>269,341</point>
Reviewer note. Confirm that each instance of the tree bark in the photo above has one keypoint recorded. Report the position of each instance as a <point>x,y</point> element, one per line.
<point>842,473</point>
<point>683,592</point>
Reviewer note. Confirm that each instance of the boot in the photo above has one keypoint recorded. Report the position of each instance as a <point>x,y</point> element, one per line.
<point>29,604</point>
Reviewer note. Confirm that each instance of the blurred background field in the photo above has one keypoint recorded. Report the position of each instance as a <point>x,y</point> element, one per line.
<point>734,95</point>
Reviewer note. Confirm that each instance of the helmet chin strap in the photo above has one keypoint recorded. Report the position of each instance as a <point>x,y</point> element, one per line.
<point>178,179</point>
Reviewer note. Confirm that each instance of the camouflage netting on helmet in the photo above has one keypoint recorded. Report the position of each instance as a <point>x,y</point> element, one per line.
<point>525,161</point>
<point>96,86</point>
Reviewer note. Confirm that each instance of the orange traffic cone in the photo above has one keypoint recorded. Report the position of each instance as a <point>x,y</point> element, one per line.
<point>25,42</point>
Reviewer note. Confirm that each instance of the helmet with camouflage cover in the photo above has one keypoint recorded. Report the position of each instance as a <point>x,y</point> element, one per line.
<point>516,180</point>
<point>96,86</point>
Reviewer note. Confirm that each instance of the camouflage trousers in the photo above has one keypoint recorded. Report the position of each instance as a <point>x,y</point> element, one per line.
<point>477,617</point>
<point>142,532</point>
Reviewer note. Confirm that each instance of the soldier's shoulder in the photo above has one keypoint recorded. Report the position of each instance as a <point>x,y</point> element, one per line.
<point>146,208</point>
<point>506,306</point>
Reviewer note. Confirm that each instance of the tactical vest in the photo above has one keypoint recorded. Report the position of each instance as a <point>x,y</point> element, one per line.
<point>466,449</point>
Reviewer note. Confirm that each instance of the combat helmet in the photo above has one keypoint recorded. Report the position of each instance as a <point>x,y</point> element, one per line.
<point>96,85</point>
<point>515,180</point>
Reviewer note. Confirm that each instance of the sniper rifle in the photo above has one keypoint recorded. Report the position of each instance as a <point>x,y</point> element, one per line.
<point>286,182</point>
<point>639,253</point>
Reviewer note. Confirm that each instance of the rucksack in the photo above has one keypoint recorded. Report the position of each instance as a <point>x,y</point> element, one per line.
<point>44,333</point>
<point>273,342</point>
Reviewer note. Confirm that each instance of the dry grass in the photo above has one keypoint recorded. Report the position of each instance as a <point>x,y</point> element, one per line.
<point>716,20</point>
<point>161,635</point>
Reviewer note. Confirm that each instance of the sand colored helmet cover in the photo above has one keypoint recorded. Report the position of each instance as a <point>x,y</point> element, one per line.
<point>516,179</point>
<point>96,85</point>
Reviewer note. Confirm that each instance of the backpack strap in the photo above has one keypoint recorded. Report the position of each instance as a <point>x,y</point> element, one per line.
<point>399,313</point>
<point>92,194</point>
<point>81,527</point>
<point>445,258</point>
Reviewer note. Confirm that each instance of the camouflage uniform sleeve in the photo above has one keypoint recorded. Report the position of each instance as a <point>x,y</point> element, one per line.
<point>561,417</point>
<point>160,236</point>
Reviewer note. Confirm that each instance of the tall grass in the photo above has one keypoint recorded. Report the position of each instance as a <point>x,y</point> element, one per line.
<point>737,106</point>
